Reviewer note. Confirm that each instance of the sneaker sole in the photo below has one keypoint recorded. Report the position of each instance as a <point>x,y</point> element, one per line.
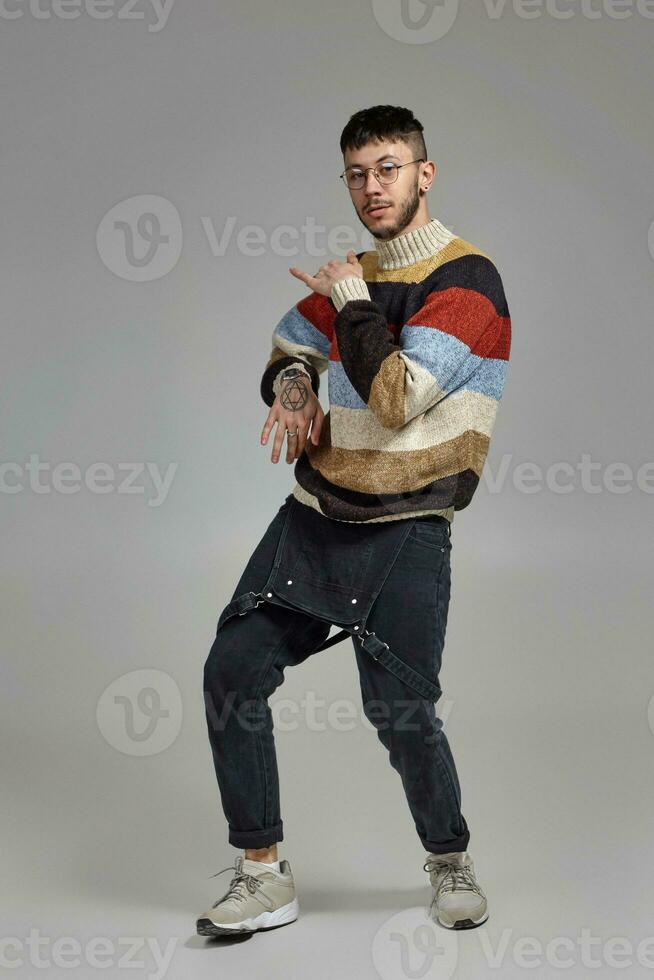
<point>282,916</point>
<point>463,923</point>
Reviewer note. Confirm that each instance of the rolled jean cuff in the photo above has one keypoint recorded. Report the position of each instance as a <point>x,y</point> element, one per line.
<point>257,838</point>
<point>455,844</point>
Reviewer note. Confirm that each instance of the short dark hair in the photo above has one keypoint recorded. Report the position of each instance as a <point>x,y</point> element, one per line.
<point>384,122</point>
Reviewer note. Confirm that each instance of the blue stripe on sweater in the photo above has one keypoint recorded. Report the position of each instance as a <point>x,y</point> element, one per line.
<point>484,374</point>
<point>450,362</point>
<point>298,330</point>
<point>341,392</point>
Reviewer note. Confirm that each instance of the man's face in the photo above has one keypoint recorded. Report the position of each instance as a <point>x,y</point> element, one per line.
<point>397,203</point>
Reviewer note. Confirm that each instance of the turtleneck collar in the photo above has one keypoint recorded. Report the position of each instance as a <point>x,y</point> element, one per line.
<point>412,246</point>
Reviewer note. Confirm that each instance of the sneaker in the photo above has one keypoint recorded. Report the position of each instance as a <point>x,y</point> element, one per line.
<point>458,902</point>
<point>256,899</point>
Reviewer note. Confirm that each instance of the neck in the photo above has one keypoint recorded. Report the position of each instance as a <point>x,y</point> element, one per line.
<point>412,246</point>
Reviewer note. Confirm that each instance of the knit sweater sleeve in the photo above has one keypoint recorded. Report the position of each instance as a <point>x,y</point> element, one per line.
<point>300,339</point>
<point>463,322</point>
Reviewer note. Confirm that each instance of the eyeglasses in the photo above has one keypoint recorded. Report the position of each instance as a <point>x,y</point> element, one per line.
<point>386,173</point>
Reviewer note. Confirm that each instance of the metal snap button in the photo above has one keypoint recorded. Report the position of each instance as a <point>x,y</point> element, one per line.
<point>356,627</point>
<point>354,600</point>
<point>290,581</point>
<point>269,594</point>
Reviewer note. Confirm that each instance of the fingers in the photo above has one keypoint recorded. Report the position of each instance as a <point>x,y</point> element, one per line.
<point>279,439</point>
<point>296,444</point>
<point>295,423</point>
<point>316,426</point>
<point>300,440</point>
<point>281,433</point>
<point>267,426</point>
<point>304,276</point>
<point>291,443</point>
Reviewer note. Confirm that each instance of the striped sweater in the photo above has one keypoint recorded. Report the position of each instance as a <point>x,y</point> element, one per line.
<point>416,353</point>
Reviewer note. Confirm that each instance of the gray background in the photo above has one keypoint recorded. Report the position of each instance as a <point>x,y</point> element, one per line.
<point>542,132</point>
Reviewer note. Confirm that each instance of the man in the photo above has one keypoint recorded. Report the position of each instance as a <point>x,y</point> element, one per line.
<point>416,337</point>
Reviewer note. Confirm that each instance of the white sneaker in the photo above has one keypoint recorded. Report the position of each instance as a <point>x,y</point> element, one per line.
<point>257,898</point>
<point>458,901</point>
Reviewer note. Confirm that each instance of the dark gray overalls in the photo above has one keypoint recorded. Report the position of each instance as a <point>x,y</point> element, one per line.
<point>306,574</point>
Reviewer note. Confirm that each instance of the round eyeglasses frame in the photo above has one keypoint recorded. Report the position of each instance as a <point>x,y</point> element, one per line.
<point>364,174</point>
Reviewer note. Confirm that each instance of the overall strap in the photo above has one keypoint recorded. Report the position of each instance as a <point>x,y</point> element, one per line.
<point>336,638</point>
<point>370,642</point>
<point>381,652</point>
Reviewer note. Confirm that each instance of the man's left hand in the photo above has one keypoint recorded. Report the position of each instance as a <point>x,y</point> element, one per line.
<point>329,274</point>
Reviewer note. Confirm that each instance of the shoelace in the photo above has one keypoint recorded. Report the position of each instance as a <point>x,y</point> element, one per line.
<point>235,889</point>
<point>456,876</point>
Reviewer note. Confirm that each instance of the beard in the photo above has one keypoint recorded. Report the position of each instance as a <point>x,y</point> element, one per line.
<point>406,211</point>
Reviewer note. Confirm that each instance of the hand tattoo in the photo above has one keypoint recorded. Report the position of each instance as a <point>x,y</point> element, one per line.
<point>294,395</point>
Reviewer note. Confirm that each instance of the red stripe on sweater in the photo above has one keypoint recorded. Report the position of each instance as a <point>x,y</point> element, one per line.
<point>460,313</point>
<point>317,310</point>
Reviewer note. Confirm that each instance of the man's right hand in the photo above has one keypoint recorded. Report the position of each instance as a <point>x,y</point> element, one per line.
<point>296,409</point>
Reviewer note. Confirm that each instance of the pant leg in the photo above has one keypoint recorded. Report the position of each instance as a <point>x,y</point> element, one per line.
<point>410,614</point>
<point>244,666</point>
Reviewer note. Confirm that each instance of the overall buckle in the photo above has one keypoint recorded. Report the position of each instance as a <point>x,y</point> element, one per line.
<point>375,647</point>
<point>249,605</point>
